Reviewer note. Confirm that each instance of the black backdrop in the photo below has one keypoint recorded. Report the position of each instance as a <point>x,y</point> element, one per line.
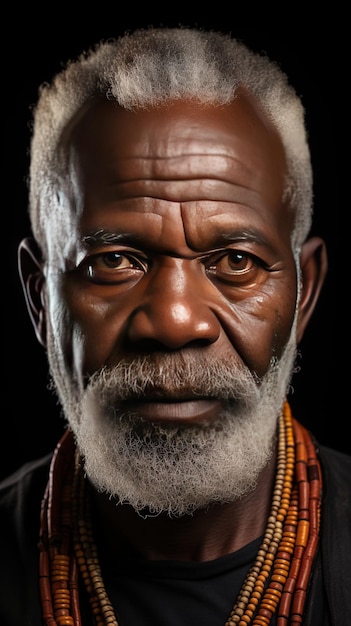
<point>31,421</point>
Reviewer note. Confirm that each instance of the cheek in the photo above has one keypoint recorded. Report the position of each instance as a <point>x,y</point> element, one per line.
<point>96,326</point>
<point>259,329</point>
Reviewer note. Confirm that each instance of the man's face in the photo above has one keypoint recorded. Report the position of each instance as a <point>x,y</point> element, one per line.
<point>182,256</point>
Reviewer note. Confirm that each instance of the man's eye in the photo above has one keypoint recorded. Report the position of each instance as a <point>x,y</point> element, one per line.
<point>112,266</point>
<point>234,266</point>
<point>113,260</point>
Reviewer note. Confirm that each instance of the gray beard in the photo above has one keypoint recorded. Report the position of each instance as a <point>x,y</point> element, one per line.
<point>176,469</point>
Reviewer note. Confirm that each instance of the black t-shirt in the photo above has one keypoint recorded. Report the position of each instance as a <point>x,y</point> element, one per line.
<point>171,593</point>
<point>175,593</point>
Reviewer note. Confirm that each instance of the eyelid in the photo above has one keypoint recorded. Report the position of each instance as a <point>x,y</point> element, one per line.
<point>93,261</point>
<point>217,255</point>
<point>102,249</point>
<point>140,256</point>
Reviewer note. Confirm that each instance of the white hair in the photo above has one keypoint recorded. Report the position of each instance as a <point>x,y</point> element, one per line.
<point>144,69</point>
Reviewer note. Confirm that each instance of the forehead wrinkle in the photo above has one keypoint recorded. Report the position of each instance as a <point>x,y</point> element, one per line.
<point>225,229</point>
<point>186,190</point>
<point>187,165</point>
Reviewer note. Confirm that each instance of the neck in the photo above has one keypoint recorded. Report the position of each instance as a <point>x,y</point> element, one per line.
<point>205,535</point>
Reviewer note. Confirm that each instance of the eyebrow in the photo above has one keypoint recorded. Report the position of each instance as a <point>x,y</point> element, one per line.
<point>104,237</point>
<point>248,234</point>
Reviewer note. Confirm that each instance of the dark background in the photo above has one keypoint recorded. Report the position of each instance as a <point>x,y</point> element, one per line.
<point>30,421</point>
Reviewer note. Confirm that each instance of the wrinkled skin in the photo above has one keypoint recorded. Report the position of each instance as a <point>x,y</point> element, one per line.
<point>182,243</point>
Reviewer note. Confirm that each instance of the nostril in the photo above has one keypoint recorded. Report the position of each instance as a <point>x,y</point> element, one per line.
<point>152,346</point>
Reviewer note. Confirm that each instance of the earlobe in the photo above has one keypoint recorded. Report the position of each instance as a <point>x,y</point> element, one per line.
<point>33,283</point>
<point>314,264</point>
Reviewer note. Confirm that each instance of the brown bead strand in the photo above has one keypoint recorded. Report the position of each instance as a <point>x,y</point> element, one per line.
<point>309,480</point>
<point>57,569</point>
<point>287,517</point>
<point>251,594</point>
<point>87,555</point>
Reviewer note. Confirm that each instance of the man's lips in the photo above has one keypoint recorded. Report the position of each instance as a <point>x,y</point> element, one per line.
<point>175,410</point>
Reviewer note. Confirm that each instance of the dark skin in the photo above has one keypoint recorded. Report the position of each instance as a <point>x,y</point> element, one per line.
<point>200,261</point>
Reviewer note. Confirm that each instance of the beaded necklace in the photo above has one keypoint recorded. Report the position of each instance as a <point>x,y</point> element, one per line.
<point>276,583</point>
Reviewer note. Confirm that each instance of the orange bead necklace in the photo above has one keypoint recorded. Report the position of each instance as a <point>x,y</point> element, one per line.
<point>275,584</point>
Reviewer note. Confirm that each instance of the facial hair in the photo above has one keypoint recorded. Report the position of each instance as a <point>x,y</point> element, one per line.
<point>162,468</point>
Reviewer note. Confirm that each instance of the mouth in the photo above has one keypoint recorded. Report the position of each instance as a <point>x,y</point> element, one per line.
<point>178,411</point>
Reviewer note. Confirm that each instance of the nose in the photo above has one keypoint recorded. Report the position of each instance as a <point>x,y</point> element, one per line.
<point>175,308</point>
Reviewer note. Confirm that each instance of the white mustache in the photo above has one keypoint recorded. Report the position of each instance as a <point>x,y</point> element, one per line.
<point>175,377</point>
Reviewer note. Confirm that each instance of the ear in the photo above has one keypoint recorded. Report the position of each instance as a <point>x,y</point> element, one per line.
<point>33,283</point>
<point>314,264</point>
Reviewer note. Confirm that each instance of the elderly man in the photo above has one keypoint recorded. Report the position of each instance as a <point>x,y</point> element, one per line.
<point>170,278</point>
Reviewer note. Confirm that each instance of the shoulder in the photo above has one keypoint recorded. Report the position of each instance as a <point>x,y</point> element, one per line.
<point>336,528</point>
<point>20,504</point>
<point>20,500</point>
<point>336,504</point>
<point>336,468</point>
<point>24,482</point>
